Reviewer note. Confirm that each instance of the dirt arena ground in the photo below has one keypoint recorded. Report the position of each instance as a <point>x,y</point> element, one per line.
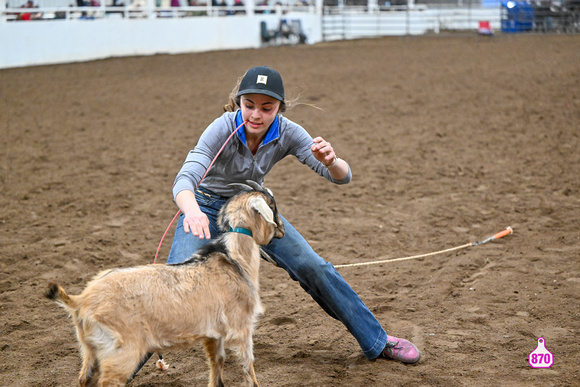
<point>450,140</point>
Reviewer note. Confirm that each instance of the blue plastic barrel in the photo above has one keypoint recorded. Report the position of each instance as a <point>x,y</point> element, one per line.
<point>516,16</point>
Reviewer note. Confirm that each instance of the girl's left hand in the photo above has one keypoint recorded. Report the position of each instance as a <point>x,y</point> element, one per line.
<point>323,151</point>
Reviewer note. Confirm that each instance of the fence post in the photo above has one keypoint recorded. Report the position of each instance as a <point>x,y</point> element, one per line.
<point>250,5</point>
<point>151,9</point>
<point>469,15</point>
<point>407,20</point>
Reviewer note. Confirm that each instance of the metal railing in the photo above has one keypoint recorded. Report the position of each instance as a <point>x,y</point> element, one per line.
<point>344,21</point>
<point>138,10</point>
<point>358,22</point>
<point>351,22</point>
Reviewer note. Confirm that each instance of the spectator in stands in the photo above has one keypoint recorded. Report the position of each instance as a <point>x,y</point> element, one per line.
<point>138,4</point>
<point>194,3</point>
<point>261,4</point>
<point>29,16</point>
<point>239,7</point>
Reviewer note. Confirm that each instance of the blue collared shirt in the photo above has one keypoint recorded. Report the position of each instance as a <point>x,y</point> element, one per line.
<point>272,134</point>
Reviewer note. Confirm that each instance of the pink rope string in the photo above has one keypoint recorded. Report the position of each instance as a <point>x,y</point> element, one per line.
<point>203,177</point>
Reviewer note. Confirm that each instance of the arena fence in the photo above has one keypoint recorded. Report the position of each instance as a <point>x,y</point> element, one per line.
<point>338,22</point>
<point>353,22</point>
<point>356,22</point>
<point>62,33</point>
<point>137,9</point>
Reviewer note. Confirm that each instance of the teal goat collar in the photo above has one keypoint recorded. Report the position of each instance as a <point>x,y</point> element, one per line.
<point>241,230</point>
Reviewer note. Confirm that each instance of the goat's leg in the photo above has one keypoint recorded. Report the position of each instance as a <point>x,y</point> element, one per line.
<point>89,374</point>
<point>118,366</point>
<point>214,348</point>
<point>250,374</point>
<point>245,352</point>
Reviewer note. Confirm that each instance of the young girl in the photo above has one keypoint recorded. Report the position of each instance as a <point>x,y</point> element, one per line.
<point>264,138</point>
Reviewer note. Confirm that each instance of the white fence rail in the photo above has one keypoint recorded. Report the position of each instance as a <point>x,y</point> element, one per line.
<point>397,21</point>
<point>97,9</point>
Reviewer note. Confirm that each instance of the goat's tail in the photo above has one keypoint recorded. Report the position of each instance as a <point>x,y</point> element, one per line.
<point>57,294</point>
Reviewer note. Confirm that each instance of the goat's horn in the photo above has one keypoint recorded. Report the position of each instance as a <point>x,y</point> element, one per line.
<point>241,186</point>
<point>267,257</point>
<point>257,187</point>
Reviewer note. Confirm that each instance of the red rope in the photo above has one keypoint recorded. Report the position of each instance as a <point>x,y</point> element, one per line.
<point>203,177</point>
<point>165,233</point>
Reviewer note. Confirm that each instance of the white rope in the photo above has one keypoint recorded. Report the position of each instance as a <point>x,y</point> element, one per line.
<point>507,231</point>
<point>405,258</point>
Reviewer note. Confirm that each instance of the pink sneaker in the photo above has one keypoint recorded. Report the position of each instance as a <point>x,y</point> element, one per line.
<point>401,350</point>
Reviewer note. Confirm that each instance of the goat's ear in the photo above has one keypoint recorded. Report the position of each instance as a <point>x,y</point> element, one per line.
<point>259,204</point>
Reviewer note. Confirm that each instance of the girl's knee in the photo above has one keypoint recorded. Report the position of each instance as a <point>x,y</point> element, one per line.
<point>317,271</point>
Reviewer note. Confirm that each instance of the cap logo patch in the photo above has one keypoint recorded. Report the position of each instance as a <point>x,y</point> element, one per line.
<point>262,79</point>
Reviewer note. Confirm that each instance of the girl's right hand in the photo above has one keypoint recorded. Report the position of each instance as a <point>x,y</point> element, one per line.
<point>198,223</point>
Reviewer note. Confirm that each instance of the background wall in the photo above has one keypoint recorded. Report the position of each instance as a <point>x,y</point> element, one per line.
<point>59,41</point>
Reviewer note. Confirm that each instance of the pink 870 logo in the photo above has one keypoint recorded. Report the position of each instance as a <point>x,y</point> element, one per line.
<point>541,357</point>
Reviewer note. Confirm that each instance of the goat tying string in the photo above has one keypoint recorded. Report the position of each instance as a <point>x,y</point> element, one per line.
<point>198,184</point>
<point>500,234</point>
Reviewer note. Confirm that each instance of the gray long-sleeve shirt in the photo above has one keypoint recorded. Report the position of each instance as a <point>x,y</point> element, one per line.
<point>236,163</point>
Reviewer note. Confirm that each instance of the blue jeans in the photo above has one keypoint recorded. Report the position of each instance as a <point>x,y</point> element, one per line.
<point>318,277</point>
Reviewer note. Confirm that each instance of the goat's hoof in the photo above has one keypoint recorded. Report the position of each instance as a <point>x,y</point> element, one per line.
<point>161,364</point>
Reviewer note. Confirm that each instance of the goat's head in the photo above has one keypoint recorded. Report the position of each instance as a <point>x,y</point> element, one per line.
<point>254,209</point>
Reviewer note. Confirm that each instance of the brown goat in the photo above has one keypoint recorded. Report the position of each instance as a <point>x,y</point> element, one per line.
<point>213,297</point>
